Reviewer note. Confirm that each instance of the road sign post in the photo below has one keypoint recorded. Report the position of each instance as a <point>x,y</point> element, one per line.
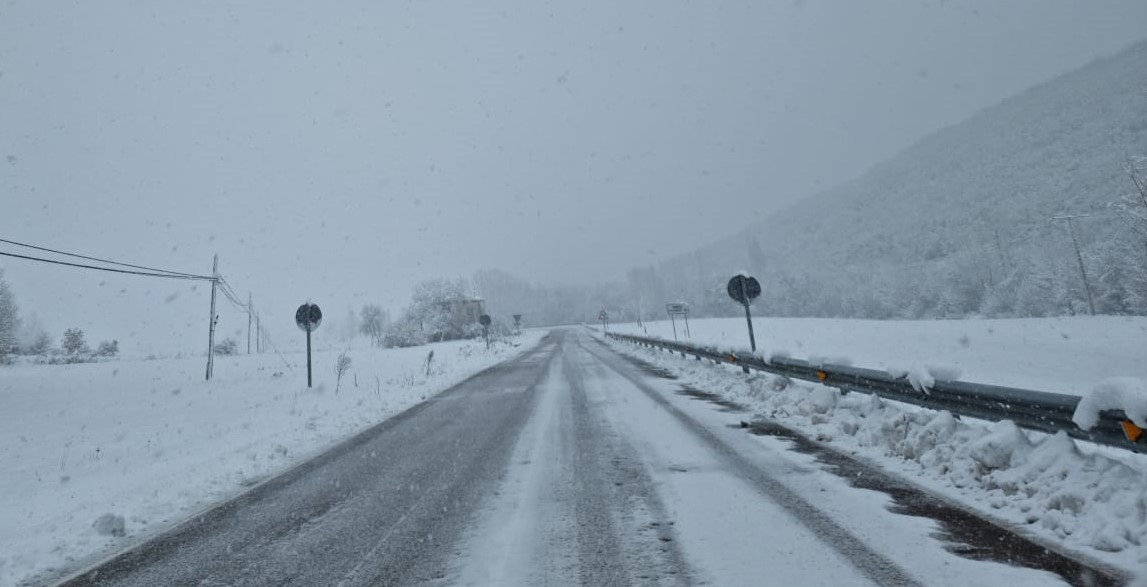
<point>744,289</point>
<point>484,320</point>
<point>678,309</point>
<point>518,323</point>
<point>307,318</point>
<point>603,316</point>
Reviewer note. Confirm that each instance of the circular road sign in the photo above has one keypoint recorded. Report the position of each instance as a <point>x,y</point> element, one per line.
<point>741,286</point>
<point>484,320</point>
<point>308,317</point>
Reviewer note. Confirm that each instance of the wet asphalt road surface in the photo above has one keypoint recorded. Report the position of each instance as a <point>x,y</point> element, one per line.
<point>525,474</point>
<point>382,509</point>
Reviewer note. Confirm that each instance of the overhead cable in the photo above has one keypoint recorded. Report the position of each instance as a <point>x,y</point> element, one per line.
<point>107,261</point>
<point>168,275</point>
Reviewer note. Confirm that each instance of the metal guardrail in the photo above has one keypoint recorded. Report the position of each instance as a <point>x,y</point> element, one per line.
<point>1034,410</point>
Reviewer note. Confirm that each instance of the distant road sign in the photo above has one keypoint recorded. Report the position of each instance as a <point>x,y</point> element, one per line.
<point>603,316</point>
<point>484,320</point>
<point>517,318</point>
<point>678,309</point>
<point>308,317</point>
<point>744,289</point>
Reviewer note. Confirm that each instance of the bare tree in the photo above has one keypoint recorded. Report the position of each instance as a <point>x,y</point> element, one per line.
<point>41,344</point>
<point>341,367</point>
<point>1133,205</point>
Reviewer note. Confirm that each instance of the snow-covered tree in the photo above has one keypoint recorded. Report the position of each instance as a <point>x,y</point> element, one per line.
<point>73,342</point>
<point>9,319</point>
<point>372,320</point>
<point>429,318</point>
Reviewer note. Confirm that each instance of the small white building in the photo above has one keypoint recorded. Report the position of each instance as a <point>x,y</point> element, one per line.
<point>464,311</point>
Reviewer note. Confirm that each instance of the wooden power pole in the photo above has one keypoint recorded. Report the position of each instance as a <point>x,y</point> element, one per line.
<point>211,326</point>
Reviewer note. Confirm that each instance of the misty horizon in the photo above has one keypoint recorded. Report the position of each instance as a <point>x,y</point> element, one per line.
<point>343,157</point>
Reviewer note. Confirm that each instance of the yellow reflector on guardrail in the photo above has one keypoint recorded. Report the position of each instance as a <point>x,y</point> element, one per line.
<point>1131,431</point>
<point>821,375</point>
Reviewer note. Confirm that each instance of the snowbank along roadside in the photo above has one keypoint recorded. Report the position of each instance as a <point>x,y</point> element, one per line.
<point>1089,499</point>
<point>96,456</point>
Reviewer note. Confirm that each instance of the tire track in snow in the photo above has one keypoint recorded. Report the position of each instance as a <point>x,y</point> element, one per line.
<point>875,566</point>
<point>639,546</point>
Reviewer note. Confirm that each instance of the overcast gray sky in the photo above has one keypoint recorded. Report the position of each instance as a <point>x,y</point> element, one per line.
<point>342,151</point>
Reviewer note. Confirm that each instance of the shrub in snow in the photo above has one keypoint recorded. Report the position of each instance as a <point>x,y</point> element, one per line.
<point>110,525</point>
<point>108,349</point>
<point>341,367</point>
<point>227,346</point>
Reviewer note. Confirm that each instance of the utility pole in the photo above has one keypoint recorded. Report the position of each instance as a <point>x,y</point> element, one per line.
<point>211,325</point>
<point>1079,256</point>
<point>249,312</point>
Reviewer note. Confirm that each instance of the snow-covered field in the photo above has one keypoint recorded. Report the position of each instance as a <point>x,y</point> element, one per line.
<point>1089,499</point>
<point>139,445</point>
<point>1062,355</point>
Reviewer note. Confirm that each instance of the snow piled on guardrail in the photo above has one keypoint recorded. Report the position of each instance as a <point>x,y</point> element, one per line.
<point>1061,355</point>
<point>1117,393</point>
<point>1092,499</point>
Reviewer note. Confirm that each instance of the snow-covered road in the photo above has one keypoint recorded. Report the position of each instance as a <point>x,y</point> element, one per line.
<point>569,465</point>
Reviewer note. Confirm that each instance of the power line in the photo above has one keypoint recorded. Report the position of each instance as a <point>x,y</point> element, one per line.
<point>109,262</point>
<point>229,293</point>
<point>168,275</point>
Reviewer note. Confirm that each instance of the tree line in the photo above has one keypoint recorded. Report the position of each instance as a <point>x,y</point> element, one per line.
<point>27,337</point>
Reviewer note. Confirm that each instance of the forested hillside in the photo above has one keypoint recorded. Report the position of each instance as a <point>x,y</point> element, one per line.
<point>963,222</point>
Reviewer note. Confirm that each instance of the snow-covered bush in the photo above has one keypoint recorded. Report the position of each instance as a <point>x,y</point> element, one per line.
<point>108,349</point>
<point>227,346</point>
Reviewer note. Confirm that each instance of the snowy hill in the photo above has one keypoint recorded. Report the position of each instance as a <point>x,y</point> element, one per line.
<point>960,223</point>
